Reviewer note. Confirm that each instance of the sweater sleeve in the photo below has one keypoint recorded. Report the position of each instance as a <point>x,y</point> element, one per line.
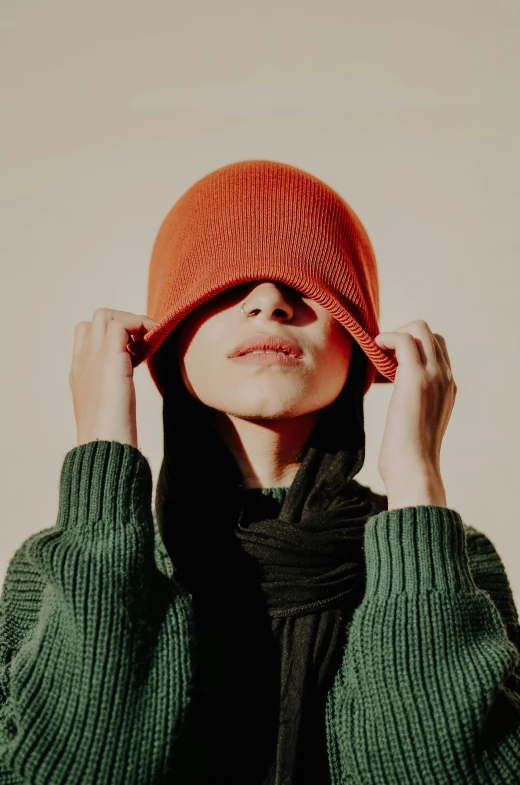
<point>429,688</point>
<point>95,641</point>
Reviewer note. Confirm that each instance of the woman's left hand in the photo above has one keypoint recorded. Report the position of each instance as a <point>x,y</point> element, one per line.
<point>418,415</point>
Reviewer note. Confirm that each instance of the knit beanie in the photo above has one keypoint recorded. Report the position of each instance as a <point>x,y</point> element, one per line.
<point>260,220</point>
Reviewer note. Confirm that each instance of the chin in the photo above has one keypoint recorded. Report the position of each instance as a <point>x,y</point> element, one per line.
<point>266,417</point>
<point>255,404</point>
<point>273,412</point>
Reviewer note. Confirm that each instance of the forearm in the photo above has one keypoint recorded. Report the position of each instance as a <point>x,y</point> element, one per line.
<point>426,690</point>
<point>425,488</point>
<point>109,646</point>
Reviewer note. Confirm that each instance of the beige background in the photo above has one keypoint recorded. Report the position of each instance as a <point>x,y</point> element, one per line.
<point>110,110</point>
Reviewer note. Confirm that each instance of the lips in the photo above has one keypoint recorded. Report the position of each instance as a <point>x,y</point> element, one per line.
<point>267,341</point>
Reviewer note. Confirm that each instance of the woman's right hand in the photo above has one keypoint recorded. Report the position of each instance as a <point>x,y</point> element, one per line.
<point>102,376</point>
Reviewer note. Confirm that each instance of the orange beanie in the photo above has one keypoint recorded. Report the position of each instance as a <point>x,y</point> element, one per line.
<point>264,220</point>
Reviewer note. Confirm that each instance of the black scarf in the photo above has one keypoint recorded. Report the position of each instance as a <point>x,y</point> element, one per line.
<point>273,589</point>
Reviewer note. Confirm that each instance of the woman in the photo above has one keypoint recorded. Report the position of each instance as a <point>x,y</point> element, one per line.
<point>275,621</point>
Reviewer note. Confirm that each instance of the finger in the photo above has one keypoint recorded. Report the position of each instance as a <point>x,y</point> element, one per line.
<point>116,337</point>
<point>80,331</point>
<point>443,349</point>
<point>131,322</point>
<point>405,347</point>
<point>425,341</point>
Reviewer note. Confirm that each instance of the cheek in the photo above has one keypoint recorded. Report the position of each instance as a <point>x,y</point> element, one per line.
<point>191,365</point>
<point>337,358</point>
<point>335,341</point>
<point>199,362</point>
<point>341,341</point>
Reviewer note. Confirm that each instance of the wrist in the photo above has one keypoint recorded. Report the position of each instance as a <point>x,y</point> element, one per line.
<point>422,490</point>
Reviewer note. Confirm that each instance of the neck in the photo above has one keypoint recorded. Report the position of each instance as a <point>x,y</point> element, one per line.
<point>266,451</point>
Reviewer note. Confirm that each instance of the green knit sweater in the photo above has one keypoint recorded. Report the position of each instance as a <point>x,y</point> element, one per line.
<point>96,647</point>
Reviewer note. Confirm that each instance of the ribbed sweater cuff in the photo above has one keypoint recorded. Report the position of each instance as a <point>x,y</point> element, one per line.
<point>107,481</point>
<point>416,550</point>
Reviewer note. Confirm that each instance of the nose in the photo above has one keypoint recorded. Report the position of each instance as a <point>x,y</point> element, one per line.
<point>268,300</point>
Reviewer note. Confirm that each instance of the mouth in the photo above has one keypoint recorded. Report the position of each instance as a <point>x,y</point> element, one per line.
<point>267,344</point>
<point>264,351</point>
<point>261,357</point>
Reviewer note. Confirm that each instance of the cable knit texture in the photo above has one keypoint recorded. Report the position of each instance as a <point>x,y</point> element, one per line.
<point>95,665</point>
<point>97,636</point>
